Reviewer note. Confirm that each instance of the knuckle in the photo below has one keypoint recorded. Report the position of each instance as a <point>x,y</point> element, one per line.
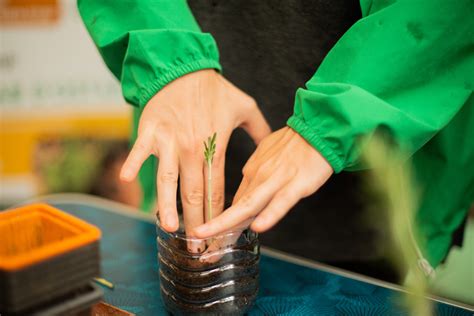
<point>245,171</point>
<point>292,170</point>
<point>248,170</point>
<point>264,171</point>
<point>164,208</point>
<point>217,199</point>
<point>140,146</point>
<point>190,147</point>
<point>264,142</point>
<point>194,197</point>
<point>251,102</point>
<point>285,196</point>
<point>267,167</point>
<point>168,177</point>
<point>245,201</point>
<point>306,191</point>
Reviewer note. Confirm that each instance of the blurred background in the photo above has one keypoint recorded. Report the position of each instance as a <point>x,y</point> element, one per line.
<point>63,118</point>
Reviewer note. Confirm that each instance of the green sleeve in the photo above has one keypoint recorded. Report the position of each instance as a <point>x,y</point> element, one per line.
<point>148,43</point>
<point>406,67</point>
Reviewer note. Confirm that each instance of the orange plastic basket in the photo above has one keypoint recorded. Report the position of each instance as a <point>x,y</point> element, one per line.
<point>34,233</point>
<point>44,253</point>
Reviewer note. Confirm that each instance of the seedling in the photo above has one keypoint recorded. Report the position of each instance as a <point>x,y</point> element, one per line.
<point>209,151</point>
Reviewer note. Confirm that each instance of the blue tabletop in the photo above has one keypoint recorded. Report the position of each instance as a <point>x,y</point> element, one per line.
<point>129,260</point>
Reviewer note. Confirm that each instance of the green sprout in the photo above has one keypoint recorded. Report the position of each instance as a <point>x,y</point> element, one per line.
<point>209,151</point>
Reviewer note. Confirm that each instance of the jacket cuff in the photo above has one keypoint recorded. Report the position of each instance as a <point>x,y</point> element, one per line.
<point>315,140</point>
<point>154,58</point>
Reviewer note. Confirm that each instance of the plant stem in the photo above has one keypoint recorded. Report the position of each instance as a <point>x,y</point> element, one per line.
<point>209,189</point>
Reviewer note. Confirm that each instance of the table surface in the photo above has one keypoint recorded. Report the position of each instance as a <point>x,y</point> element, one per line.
<point>288,285</point>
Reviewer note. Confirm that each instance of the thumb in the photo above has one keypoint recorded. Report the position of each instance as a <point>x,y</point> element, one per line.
<point>256,125</point>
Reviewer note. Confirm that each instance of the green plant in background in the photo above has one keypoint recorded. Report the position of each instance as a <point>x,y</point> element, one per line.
<point>209,151</point>
<point>391,180</point>
<point>69,165</point>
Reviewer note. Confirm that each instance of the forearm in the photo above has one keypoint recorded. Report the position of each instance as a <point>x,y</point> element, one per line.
<point>147,44</point>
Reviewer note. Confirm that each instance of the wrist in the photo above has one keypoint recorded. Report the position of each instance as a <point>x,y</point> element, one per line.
<point>154,87</point>
<point>312,137</point>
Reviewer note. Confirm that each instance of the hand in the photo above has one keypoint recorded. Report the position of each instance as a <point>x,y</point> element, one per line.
<point>283,170</point>
<point>173,126</point>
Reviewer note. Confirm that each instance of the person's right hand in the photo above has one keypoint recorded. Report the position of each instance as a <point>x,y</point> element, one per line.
<point>173,126</point>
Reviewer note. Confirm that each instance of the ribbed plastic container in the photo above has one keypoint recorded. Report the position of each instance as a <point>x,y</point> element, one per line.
<point>221,279</point>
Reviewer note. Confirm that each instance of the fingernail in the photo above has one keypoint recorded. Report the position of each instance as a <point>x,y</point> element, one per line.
<point>126,175</point>
<point>259,223</point>
<point>171,221</point>
<point>200,230</point>
<point>195,246</point>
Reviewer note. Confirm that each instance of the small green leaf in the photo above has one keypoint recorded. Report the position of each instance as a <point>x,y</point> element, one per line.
<point>209,151</point>
<point>210,148</point>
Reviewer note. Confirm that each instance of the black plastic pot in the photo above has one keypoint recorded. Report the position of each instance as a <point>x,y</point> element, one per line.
<point>77,303</point>
<point>36,284</point>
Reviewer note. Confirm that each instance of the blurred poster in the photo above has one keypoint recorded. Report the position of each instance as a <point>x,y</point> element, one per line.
<point>63,125</point>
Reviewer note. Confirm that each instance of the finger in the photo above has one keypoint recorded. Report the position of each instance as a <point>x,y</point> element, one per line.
<point>192,197</point>
<point>240,191</point>
<point>216,251</point>
<point>256,126</point>
<point>249,181</point>
<point>167,182</point>
<point>248,172</point>
<point>215,184</point>
<point>141,150</point>
<point>264,151</point>
<point>213,253</point>
<point>279,206</point>
<point>249,205</point>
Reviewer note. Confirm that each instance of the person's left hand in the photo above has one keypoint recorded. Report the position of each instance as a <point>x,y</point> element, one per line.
<point>283,169</point>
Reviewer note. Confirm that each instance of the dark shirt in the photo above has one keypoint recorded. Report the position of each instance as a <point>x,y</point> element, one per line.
<point>269,49</point>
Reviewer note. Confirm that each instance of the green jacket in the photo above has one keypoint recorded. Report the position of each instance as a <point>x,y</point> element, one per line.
<point>407,67</point>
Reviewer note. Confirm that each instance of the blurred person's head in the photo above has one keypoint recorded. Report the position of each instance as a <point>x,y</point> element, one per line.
<point>84,166</point>
<point>107,183</point>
